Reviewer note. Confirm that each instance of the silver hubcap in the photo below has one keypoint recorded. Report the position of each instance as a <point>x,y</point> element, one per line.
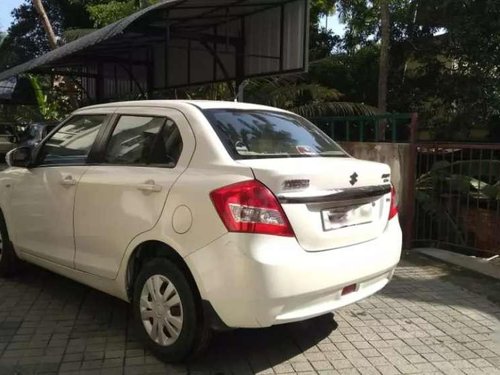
<point>161,310</point>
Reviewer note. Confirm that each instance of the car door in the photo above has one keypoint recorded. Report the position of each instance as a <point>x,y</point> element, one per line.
<point>146,151</point>
<point>43,197</point>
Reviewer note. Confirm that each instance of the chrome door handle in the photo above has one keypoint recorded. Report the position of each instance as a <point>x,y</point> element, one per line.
<point>150,187</point>
<point>68,181</point>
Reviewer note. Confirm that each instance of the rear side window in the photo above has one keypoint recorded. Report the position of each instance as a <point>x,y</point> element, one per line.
<point>71,144</point>
<point>144,140</point>
<point>249,134</point>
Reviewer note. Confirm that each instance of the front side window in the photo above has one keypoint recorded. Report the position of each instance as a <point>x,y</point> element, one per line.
<point>71,144</point>
<point>144,140</point>
<point>257,134</point>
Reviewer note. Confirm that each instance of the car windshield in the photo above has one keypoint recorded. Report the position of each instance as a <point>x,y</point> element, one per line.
<point>259,134</point>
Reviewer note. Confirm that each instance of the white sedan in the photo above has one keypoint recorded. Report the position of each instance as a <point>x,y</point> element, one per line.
<point>203,215</point>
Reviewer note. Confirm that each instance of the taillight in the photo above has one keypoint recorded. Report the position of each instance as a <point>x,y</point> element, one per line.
<point>394,205</point>
<point>250,207</point>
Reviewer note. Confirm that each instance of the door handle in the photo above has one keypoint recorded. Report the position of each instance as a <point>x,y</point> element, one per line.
<point>150,187</point>
<point>68,181</point>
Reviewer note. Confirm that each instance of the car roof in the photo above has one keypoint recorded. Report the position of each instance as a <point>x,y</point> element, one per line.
<point>201,104</point>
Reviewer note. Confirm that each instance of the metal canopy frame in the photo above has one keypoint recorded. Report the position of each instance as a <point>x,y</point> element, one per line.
<point>182,43</point>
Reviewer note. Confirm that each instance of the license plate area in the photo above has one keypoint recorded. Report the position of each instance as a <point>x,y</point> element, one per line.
<point>348,216</point>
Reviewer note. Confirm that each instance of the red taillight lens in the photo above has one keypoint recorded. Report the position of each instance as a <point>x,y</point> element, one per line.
<point>250,207</point>
<point>394,205</point>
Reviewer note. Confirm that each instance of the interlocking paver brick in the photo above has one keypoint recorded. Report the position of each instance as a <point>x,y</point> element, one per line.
<point>369,353</point>
<point>418,324</point>
<point>378,361</point>
<point>329,372</point>
<point>283,368</point>
<point>388,370</point>
<point>302,366</point>
<point>322,365</point>
<point>342,364</point>
<point>359,362</point>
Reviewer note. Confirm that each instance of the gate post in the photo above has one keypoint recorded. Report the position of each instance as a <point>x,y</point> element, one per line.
<point>408,226</point>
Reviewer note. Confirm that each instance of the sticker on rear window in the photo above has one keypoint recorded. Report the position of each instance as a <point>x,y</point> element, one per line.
<point>240,147</point>
<point>305,150</point>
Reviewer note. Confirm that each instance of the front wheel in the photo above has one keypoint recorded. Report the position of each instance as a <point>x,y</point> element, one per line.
<point>166,311</point>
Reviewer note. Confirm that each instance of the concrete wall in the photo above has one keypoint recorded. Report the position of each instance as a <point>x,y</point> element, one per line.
<point>396,155</point>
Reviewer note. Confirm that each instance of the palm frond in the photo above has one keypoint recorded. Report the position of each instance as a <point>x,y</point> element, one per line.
<point>308,99</point>
<point>311,110</point>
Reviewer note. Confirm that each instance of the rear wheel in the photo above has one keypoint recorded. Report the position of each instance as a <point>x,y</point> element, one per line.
<point>8,257</point>
<point>167,312</point>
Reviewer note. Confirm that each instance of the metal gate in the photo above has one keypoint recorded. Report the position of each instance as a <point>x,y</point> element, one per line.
<point>457,197</point>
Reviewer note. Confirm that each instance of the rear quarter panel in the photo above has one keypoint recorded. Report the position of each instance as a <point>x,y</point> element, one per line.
<point>189,220</point>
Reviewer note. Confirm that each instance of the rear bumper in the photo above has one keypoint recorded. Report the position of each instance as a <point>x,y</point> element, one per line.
<point>259,280</point>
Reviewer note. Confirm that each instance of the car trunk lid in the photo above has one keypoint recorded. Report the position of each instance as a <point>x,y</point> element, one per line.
<point>330,202</point>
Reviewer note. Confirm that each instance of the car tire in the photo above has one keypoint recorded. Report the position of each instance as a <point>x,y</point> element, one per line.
<point>167,312</point>
<point>9,261</point>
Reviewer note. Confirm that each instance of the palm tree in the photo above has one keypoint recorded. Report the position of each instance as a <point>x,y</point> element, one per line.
<point>307,99</point>
<point>293,93</point>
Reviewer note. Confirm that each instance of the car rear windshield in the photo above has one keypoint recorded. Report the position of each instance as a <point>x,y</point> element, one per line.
<point>259,134</point>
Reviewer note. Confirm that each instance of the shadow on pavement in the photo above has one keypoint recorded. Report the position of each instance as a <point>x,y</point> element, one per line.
<point>69,326</point>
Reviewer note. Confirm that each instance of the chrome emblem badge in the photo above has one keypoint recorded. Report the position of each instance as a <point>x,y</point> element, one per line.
<point>354,178</point>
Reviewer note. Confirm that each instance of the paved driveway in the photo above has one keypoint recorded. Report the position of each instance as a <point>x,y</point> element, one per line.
<point>424,322</point>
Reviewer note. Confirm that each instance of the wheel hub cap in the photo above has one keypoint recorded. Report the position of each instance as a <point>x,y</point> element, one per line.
<point>161,310</point>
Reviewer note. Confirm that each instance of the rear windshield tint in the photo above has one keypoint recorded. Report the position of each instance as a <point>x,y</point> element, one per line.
<point>251,134</point>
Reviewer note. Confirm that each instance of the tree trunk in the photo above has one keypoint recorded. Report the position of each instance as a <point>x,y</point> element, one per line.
<point>383,76</point>
<point>58,81</point>
<point>47,26</point>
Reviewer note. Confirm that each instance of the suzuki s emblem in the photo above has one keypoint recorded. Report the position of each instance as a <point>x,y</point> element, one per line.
<point>354,178</point>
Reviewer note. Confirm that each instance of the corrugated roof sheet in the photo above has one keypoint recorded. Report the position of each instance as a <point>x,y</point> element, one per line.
<point>86,41</point>
<point>182,43</point>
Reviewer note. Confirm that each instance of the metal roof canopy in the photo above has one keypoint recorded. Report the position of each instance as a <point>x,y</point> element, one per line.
<point>180,43</point>
<point>17,91</point>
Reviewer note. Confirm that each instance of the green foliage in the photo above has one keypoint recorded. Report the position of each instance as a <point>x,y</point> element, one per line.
<point>477,178</point>
<point>361,18</point>
<point>322,41</point>
<point>109,12</point>
<point>354,74</point>
<point>321,8</point>
<point>447,186</point>
<point>52,104</point>
<point>293,93</point>
<point>105,12</point>
<point>26,38</point>
<point>451,79</point>
<point>308,99</point>
<point>444,59</point>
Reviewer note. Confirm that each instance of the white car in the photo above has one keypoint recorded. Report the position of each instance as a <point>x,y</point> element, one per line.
<point>203,215</point>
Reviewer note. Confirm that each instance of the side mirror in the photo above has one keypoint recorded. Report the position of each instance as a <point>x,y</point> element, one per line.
<point>19,157</point>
